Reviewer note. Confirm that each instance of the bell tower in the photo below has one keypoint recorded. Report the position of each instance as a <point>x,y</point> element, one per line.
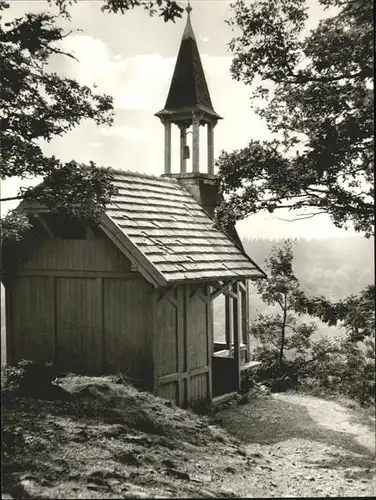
<point>188,106</point>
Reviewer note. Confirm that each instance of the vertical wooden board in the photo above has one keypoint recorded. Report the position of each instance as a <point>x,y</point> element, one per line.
<point>154,341</point>
<point>199,388</point>
<point>181,328</point>
<point>181,339</point>
<point>116,326</point>
<point>79,325</point>
<point>197,331</point>
<point>237,332</point>
<point>116,350</point>
<point>167,348</point>
<point>81,255</point>
<point>245,320</point>
<point>140,296</point>
<point>229,334</point>
<point>187,340</point>
<point>127,328</point>
<point>9,352</point>
<point>184,394</point>
<point>32,328</point>
<point>210,340</point>
<point>169,391</point>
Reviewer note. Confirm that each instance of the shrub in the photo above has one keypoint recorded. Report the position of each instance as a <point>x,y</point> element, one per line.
<point>341,366</point>
<point>335,366</point>
<point>29,378</point>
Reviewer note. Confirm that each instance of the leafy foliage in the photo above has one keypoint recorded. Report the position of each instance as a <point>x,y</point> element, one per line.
<point>39,105</point>
<point>318,101</point>
<point>356,313</point>
<point>168,9</point>
<point>282,289</point>
<point>29,377</point>
<point>13,226</point>
<point>338,365</point>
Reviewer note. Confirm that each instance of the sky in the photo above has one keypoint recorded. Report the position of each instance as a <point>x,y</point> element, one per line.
<point>132,58</point>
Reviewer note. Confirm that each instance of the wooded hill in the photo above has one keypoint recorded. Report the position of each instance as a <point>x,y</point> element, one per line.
<point>334,267</point>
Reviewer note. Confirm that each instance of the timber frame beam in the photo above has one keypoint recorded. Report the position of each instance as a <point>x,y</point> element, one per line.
<point>223,288</point>
<point>169,294</point>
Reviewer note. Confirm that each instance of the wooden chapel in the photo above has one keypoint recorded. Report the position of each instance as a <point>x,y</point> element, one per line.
<point>135,293</point>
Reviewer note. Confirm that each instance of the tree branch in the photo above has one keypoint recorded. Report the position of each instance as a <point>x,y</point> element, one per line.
<point>61,52</point>
<point>19,197</point>
<point>299,79</point>
<point>78,30</point>
<point>309,216</point>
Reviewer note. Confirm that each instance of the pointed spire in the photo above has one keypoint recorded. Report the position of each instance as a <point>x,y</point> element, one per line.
<point>188,90</point>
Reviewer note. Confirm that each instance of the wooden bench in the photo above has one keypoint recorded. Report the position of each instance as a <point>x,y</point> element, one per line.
<point>248,366</point>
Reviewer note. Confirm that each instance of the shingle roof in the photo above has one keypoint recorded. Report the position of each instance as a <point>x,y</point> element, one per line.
<point>188,90</point>
<point>164,222</point>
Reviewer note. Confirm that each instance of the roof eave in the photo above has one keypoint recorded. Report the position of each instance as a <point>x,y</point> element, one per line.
<point>166,112</point>
<point>132,252</point>
<point>213,279</point>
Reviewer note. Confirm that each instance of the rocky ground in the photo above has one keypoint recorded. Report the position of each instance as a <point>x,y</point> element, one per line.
<point>100,439</point>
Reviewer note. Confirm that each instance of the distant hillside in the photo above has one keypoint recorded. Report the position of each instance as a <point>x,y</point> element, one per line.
<point>333,267</point>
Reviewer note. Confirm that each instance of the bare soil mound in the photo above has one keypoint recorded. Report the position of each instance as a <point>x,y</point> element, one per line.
<point>109,440</point>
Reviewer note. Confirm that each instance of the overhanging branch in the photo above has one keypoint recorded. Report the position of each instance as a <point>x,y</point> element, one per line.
<point>19,197</point>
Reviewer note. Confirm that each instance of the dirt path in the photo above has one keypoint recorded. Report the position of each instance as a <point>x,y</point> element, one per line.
<point>302,446</point>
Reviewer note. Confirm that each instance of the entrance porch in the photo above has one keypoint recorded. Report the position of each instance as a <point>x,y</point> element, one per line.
<point>232,357</point>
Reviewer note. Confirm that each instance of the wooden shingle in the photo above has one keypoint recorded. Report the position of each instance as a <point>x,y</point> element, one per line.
<point>172,232</point>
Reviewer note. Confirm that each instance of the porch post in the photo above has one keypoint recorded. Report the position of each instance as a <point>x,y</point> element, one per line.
<point>237,315</point>
<point>228,322</point>
<point>245,319</point>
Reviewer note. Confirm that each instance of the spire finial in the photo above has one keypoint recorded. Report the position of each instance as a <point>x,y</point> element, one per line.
<point>188,32</point>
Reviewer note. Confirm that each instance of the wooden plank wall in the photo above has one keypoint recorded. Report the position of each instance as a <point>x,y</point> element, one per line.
<point>128,328</point>
<point>31,314</point>
<point>168,343</point>
<point>83,308</point>
<point>199,344</point>
<point>81,255</point>
<point>77,303</point>
<point>78,325</point>
<point>183,345</point>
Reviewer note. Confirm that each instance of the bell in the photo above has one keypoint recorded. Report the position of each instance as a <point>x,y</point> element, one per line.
<point>186,152</point>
